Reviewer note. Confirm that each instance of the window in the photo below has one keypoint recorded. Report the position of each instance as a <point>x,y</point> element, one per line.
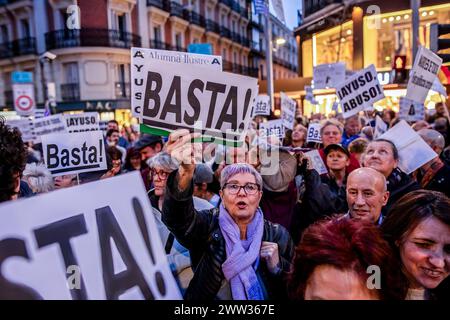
<point>71,72</point>
<point>178,41</point>
<point>25,26</point>
<point>223,20</point>
<point>157,33</point>
<point>224,53</point>
<point>122,89</point>
<point>235,60</point>
<point>4,34</point>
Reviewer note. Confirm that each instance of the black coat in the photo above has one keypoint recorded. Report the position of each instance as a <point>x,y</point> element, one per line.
<point>199,232</point>
<point>399,184</point>
<point>441,181</point>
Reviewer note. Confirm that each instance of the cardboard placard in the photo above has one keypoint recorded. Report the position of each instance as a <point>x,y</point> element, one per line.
<point>154,56</point>
<point>359,92</point>
<point>81,122</point>
<point>423,74</point>
<point>313,133</point>
<point>272,128</point>
<point>288,107</point>
<point>410,110</point>
<point>179,96</point>
<point>380,127</point>
<point>70,153</point>
<point>261,106</point>
<point>316,161</point>
<point>69,244</point>
<point>413,151</point>
<point>328,75</point>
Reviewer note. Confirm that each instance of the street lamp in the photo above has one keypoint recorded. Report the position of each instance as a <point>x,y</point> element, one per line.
<point>43,59</point>
<point>280,41</point>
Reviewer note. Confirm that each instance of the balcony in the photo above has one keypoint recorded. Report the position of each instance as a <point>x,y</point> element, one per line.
<point>194,18</point>
<point>156,44</point>
<point>70,92</point>
<point>17,48</point>
<point>212,26</point>
<point>91,38</point>
<point>236,37</point>
<point>235,6</point>
<point>176,9</point>
<point>161,4</point>
<point>245,41</point>
<point>253,72</point>
<point>225,32</point>
<point>122,90</point>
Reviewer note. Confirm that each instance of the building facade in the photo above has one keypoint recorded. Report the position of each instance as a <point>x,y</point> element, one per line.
<point>91,70</point>
<point>361,34</point>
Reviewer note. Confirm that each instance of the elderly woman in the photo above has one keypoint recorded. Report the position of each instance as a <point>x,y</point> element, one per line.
<point>161,166</point>
<point>382,155</point>
<point>418,230</point>
<point>335,260</point>
<point>235,253</point>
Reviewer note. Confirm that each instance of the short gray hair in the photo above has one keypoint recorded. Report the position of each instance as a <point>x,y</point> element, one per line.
<point>164,161</point>
<point>331,122</point>
<point>39,178</point>
<point>234,169</point>
<point>432,137</point>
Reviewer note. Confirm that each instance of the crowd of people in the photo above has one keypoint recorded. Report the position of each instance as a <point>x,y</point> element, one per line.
<point>233,230</point>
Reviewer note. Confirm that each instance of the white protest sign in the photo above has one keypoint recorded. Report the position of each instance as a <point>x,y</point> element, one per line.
<point>39,113</point>
<point>69,244</point>
<point>328,75</point>
<point>261,106</point>
<point>24,102</point>
<point>410,110</point>
<point>67,153</point>
<point>272,128</point>
<point>423,73</point>
<point>50,124</point>
<point>438,87</point>
<point>152,57</point>
<point>316,161</point>
<point>359,92</point>
<point>380,127</point>
<point>288,107</point>
<point>81,122</point>
<point>314,133</point>
<point>413,151</point>
<point>179,96</point>
<point>26,128</point>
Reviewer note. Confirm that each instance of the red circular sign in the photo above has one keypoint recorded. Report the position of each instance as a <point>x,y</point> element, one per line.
<point>24,103</point>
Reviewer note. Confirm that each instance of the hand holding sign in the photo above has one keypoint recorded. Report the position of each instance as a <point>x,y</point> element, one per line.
<point>180,148</point>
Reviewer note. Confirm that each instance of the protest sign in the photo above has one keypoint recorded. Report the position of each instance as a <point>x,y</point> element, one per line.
<point>359,92</point>
<point>413,151</point>
<point>272,128</point>
<point>81,122</point>
<point>328,75</point>
<point>24,102</point>
<point>380,127</point>
<point>314,133</point>
<point>261,106</point>
<point>178,96</point>
<point>316,161</point>
<point>68,153</point>
<point>147,58</point>
<point>410,110</point>
<point>69,244</point>
<point>423,73</point>
<point>26,128</point>
<point>288,107</point>
<point>50,124</point>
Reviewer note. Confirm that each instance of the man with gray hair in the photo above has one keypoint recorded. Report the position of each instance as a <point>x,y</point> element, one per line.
<point>435,174</point>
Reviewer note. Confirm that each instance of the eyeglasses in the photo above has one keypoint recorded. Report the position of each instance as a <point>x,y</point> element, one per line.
<point>249,188</point>
<point>161,174</point>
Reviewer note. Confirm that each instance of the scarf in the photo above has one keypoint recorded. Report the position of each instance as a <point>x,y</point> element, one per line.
<point>242,256</point>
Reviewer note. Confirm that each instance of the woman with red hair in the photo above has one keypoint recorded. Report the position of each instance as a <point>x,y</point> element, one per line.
<point>345,259</point>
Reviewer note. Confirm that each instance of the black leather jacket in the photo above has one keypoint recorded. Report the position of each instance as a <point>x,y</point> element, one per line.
<point>199,231</point>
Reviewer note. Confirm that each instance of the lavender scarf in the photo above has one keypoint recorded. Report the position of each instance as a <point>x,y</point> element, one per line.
<point>239,267</point>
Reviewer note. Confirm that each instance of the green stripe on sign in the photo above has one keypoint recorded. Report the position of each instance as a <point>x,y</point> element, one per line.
<point>160,132</point>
